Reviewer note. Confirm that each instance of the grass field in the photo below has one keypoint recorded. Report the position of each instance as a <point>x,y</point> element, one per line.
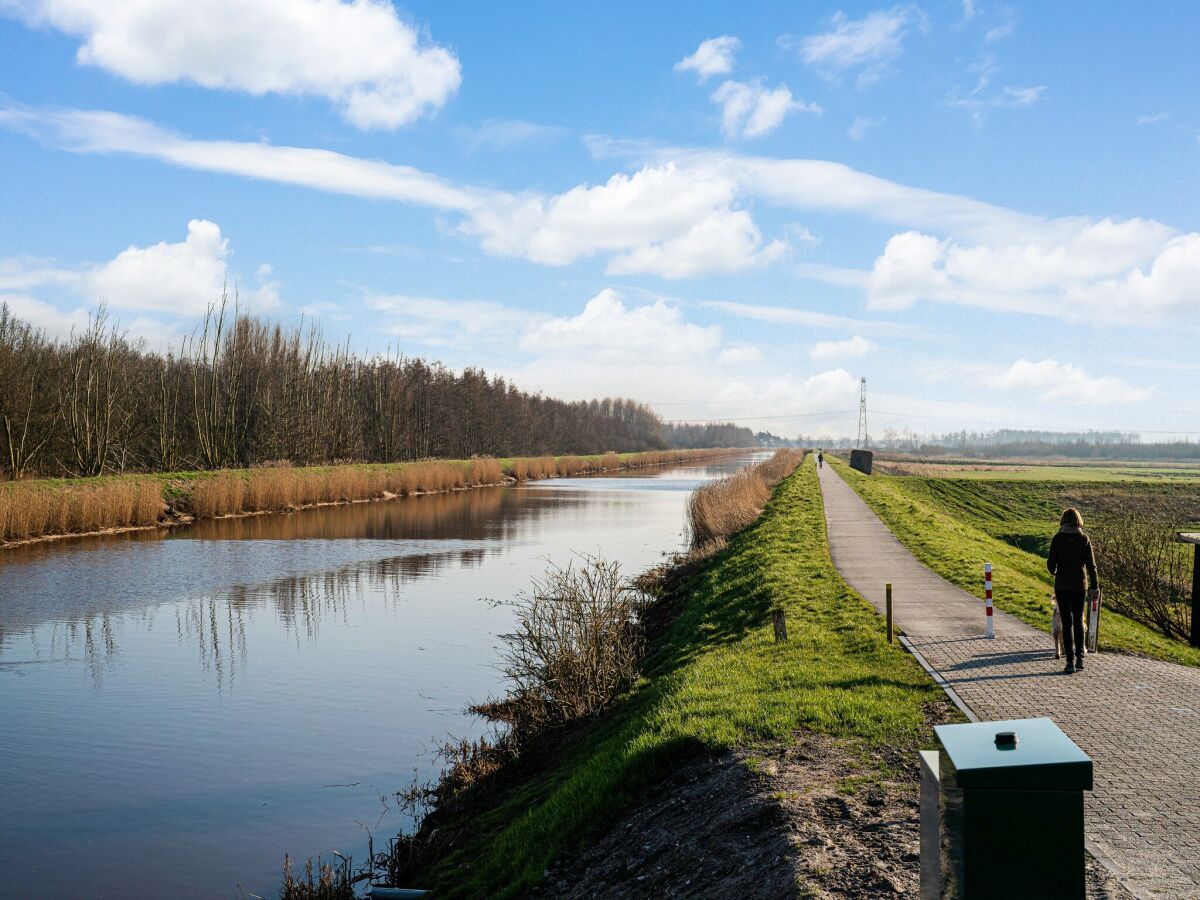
<point>1057,471</point>
<point>716,680</point>
<point>954,525</point>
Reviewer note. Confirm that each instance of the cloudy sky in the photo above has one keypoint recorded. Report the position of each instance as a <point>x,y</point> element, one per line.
<point>989,210</point>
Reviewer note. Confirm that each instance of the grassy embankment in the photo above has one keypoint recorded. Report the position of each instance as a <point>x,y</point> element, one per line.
<point>61,506</point>
<point>955,525</point>
<point>715,680</point>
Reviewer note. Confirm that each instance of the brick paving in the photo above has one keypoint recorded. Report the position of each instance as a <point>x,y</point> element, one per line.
<point>1138,719</point>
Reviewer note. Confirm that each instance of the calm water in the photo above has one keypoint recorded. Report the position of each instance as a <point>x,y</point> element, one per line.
<point>178,709</point>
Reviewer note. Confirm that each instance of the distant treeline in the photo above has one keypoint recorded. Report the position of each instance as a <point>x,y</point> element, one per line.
<point>682,434</point>
<point>241,392</point>
<point>1165,450</point>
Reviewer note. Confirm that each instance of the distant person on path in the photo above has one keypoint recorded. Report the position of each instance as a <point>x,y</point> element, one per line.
<point>1072,562</point>
<point>820,460</point>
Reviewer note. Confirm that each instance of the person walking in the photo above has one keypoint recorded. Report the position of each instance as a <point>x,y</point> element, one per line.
<point>1072,562</point>
<point>820,459</point>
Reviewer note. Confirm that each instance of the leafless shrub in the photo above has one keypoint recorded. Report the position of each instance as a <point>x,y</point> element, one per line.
<point>576,646</point>
<point>1144,569</point>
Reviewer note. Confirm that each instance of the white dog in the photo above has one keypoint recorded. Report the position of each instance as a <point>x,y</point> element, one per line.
<point>1056,631</point>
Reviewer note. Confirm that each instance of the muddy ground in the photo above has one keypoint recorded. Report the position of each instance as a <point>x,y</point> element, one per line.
<point>813,820</point>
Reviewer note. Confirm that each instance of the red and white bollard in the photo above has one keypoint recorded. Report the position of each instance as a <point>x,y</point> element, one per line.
<point>987,598</point>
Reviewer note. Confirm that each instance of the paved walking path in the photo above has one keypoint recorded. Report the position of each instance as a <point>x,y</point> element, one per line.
<point>1138,719</point>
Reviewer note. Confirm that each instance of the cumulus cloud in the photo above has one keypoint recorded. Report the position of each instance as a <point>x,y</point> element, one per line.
<point>1098,271</point>
<point>185,277</point>
<point>372,66</point>
<point>663,220</point>
<point>712,57</point>
<point>750,110</point>
<point>1051,380</point>
<point>607,330</point>
<point>176,279</point>
<point>831,351</point>
<point>868,45</point>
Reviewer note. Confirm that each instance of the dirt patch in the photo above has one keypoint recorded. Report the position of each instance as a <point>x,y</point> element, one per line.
<point>812,820</point>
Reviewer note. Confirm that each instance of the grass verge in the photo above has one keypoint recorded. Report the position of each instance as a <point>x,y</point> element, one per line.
<point>716,680</point>
<point>954,528</point>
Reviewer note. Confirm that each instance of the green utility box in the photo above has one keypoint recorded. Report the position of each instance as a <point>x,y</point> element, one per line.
<point>1012,812</point>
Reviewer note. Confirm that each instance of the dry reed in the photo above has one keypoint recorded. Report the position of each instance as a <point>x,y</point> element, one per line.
<point>36,509</point>
<point>724,507</point>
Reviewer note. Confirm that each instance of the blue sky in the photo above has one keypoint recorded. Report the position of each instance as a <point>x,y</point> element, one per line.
<point>988,210</point>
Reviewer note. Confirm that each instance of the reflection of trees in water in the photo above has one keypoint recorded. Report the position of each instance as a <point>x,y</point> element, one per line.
<point>218,624</point>
<point>476,514</point>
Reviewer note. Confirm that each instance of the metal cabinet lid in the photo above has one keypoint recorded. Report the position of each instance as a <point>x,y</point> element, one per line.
<point>1044,759</point>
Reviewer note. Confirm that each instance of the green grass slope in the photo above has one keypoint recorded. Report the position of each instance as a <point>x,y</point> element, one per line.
<point>717,680</point>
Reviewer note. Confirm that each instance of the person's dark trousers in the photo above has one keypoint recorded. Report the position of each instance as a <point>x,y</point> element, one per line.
<point>1071,605</point>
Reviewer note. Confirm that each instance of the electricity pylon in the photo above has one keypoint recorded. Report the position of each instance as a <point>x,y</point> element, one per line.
<point>864,439</point>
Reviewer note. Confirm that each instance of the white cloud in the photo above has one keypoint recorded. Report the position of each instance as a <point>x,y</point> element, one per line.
<point>504,134</point>
<point>185,278</point>
<point>712,57</point>
<point>982,97</point>
<point>434,321</point>
<point>750,110</point>
<point>686,213</point>
<point>1052,380</point>
<point>1153,119</point>
<point>662,220</point>
<point>173,279</point>
<point>869,45</point>
<point>361,56</point>
<point>1097,271</point>
<point>862,124</point>
<point>831,351</point>
<point>999,32</point>
<point>742,355</point>
<point>55,322</point>
<point>608,331</point>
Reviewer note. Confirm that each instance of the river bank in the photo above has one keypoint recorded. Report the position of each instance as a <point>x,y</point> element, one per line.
<point>720,705</point>
<point>52,509</point>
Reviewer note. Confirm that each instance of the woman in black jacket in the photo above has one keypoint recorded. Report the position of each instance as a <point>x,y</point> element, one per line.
<point>1073,564</point>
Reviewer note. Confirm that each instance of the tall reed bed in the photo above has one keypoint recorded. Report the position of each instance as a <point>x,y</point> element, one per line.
<point>530,468</point>
<point>724,507</point>
<point>267,490</point>
<point>36,509</point>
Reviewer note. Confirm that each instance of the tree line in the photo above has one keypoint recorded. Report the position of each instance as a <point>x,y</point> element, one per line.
<point>242,392</point>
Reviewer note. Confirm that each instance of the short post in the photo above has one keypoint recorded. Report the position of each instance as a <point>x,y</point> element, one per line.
<point>1193,538</point>
<point>780,625</point>
<point>987,598</point>
<point>1196,596</point>
<point>889,611</point>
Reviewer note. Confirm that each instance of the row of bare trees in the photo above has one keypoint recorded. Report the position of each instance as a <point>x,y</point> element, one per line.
<point>241,392</point>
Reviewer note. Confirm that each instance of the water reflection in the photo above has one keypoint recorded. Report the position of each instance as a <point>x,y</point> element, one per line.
<point>179,708</point>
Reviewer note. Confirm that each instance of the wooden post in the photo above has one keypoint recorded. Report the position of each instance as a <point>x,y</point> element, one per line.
<point>1196,597</point>
<point>780,625</point>
<point>889,611</point>
<point>1193,538</point>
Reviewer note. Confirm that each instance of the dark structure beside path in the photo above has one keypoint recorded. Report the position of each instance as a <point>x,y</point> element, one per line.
<point>861,460</point>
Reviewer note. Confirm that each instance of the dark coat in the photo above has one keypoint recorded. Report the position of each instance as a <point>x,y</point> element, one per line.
<point>1071,557</point>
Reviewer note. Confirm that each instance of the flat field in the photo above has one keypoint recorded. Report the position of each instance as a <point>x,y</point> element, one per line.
<point>1042,470</point>
<point>956,520</point>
